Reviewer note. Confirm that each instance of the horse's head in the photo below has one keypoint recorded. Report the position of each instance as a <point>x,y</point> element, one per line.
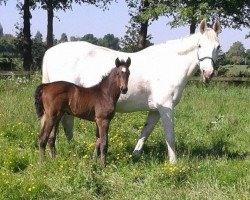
<point>208,48</point>
<point>123,73</point>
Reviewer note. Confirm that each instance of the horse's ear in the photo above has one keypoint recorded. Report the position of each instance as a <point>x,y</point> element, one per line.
<point>203,26</point>
<point>217,27</point>
<point>128,62</point>
<point>117,62</point>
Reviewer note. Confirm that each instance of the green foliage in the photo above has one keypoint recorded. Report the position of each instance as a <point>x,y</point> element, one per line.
<point>7,45</point>
<point>109,41</point>
<point>129,43</point>
<point>248,56</point>
<point>38,50</point>
<point>233,71</point>
<point>236,53</point>
<point>88,38</point>
<point>1,30</point>
<point>212,136</point>
<point>64,38</point>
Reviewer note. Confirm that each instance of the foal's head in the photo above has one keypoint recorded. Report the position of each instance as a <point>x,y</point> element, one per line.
<point>122,72</point>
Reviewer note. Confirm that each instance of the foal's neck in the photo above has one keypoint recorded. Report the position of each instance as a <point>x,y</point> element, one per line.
<point>109,86</point>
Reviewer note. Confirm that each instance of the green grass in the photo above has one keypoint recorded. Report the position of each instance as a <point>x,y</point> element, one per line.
<point>212,126</point>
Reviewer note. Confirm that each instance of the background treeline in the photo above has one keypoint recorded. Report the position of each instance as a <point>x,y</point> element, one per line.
<point>234,62</point>
<point>24,51</point>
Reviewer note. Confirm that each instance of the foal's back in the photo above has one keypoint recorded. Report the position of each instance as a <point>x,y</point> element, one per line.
<point>60,97</point>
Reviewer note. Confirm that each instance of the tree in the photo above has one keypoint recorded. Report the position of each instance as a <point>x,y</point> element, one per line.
<point>137,22</point>
<point>25,35</point>
<point>89,38</point>
<point>136,37</point>
<point>129,43</point>
<point>64,38</point>
<point>236,53</point>
<point>109,41</point>
<point>1,30</point>
<point>248,56</point>
<point>3,2</point>
<point>53,5</point>
<point>233,14</point>
<point>38,49</point>
<point>7,45</point>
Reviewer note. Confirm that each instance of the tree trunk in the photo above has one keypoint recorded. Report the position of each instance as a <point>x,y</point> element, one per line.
<point>144,27</point>
<point>27,42</point>
<point>192,27</point>
<point>143,35</point>
<point>50,15</point>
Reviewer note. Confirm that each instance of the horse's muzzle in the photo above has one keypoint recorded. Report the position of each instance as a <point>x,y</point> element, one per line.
<point>207,75</point>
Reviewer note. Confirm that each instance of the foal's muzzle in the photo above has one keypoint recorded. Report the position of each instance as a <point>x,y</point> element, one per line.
<point>124,89</point>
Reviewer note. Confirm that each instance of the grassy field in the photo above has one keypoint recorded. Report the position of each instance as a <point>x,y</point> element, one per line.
<point>212,125</point>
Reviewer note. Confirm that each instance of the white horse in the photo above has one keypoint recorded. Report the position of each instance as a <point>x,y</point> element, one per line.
<point>157,91</point>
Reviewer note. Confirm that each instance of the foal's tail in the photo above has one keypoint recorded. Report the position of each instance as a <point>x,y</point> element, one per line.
<point>39,101</point>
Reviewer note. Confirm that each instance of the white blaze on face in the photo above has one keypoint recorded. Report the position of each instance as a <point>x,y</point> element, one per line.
<point>124,69</point>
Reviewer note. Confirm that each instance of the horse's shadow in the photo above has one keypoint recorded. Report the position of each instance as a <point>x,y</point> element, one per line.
<point>218,149</point>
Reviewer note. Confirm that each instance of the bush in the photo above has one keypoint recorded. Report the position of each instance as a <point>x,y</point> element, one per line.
<point>233,71</point>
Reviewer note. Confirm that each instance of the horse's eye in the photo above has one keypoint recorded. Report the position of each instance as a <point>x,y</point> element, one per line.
<point>199,46</point>
<point>218,47</point>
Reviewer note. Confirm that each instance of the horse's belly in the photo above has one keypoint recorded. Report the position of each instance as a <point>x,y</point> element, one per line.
<point>133,103</point>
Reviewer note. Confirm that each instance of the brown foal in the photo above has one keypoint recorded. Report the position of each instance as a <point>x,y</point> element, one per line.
<point>97,103</point>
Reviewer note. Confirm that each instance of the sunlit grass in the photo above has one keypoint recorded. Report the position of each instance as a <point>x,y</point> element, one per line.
<point>212,126</point>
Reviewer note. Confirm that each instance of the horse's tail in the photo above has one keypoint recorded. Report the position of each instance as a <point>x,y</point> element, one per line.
<point>39,101</point>
<point>45,75</point>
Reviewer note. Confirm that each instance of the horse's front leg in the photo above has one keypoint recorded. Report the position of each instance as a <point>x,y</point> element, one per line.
<point>152,119</point>
<point>103,126</point>
<point>167,117</point>
<point>68,123</point>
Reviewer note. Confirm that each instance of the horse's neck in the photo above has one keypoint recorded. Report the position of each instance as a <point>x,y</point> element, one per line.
<point>186,44</point>
<point>187,49</point>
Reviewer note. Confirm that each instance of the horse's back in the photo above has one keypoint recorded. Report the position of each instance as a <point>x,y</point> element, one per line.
<point>78,62</point>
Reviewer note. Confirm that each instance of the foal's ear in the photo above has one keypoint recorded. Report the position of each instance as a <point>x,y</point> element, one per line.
<point>203,26</point>
<point>217,27</point>
<point>117,62</point>
<point>128,62</point>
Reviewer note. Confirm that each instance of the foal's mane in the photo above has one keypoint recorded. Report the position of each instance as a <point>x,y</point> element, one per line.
<point>111,73</point>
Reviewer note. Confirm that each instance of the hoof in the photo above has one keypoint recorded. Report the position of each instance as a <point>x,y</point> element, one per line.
<point>136,155</point>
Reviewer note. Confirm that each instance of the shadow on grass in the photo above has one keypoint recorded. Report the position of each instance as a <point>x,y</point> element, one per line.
<point>218,149</point>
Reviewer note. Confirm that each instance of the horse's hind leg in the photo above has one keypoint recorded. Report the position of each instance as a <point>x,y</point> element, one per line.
<point>52,140</point>
<point>152,119</point>
<point>68,123</point>
<point>43,136</point>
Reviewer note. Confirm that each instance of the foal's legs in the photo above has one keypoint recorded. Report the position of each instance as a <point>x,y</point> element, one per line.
<point>97,144</point>
<point>52,140</point>
<point>152,119</point>
<point>68,123</point>
<point>47,126</point>
<point>103,126</point>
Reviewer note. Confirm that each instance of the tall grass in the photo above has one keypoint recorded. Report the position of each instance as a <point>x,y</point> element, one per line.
<point>212,126</point>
